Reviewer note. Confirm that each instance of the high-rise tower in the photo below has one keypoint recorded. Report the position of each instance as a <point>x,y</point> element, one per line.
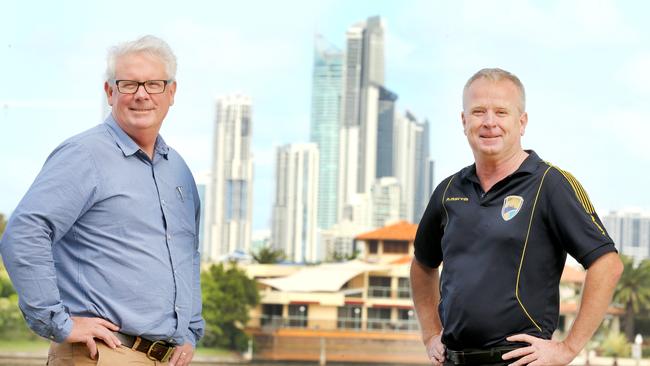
<point>230,197</point>
<point>326,98</point>
<point>296,203</point>
<point>364,75</point>
<point>412,164</point>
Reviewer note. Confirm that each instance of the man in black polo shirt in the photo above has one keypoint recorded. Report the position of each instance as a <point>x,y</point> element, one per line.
<point>503,227</point>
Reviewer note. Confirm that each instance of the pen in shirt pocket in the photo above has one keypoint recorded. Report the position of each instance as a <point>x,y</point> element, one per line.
<point>179,190</point>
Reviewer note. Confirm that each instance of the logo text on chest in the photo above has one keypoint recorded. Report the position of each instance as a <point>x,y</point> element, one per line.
<point>455,199</point>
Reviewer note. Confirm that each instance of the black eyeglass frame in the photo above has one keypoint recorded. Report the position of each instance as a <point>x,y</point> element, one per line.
<point>143,84</point>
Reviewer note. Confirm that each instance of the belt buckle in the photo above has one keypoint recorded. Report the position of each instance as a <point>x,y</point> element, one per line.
<point>165,357</point>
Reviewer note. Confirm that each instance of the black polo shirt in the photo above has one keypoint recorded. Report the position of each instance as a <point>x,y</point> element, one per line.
<point>504,250</point>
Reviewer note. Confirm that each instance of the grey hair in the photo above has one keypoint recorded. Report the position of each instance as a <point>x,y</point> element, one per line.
<point>148,44</point>
<point>496,74</point>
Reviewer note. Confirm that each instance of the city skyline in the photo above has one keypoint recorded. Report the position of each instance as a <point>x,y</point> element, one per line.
<point>586,79</point>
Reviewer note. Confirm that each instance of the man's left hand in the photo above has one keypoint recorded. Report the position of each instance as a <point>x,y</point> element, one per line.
<point>182,355</point>
<point>540,352</point>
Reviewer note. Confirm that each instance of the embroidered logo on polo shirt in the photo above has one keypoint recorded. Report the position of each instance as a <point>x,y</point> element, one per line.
<point>452,199</point>
<point>511,207</point>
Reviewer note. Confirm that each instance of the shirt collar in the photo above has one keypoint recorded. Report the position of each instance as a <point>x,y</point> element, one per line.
<point>528,166</point>
<point>161,147</point>
<point>126,143</point>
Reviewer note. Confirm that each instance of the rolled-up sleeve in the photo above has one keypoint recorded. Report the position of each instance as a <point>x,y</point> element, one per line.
<point>61,193</point>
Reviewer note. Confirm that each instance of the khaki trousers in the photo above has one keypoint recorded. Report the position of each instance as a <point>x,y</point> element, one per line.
<point>77,354</point>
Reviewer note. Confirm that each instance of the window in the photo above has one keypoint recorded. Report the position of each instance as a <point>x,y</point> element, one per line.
<point>298,316</point>
<point>349,317</point>
<point>379,318</point>
<point>271,315</point>
<point>396,247</point>
<point>406,319</point>
<point>372,246</point>
<point>379,286</point>
<point>403,288</point>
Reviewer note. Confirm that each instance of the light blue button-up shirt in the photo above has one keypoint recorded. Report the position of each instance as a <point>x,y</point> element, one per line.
<point>106,232</point>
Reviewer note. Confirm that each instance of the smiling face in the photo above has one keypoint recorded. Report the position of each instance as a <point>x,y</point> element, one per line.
<point>140,113</point>
<point>493,120</point>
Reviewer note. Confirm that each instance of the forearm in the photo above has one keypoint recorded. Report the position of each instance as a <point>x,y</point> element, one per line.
<point>426,295</point>
<point>599,286</point>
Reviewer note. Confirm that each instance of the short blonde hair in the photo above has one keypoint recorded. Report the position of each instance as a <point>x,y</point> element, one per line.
<point>496,74</point>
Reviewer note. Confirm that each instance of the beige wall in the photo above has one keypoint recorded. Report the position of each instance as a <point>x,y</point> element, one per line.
<point>322,317</point>
<point>277,297</point>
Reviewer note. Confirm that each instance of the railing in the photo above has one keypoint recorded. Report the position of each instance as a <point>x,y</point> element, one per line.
<point>404,293</point>
<point>348,323</point>
<point>387,292</point>
<point>379,324</point>
<point>272,322</point>
<point>379,291</point>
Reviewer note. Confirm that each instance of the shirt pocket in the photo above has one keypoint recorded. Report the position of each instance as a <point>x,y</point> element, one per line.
<point>182,210</point>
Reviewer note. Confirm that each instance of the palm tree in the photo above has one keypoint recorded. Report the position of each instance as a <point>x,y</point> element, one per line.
<point>269,255</point>
<point>633,291</point>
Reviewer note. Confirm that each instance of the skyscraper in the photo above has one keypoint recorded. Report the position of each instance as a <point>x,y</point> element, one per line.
<point>387,204</point>
<point>202,186</point>
<point>385,133</point>
<point>413,167</point>
<point>630,230</point>
<point>364,74</point>
<point>327,87</point>
<point>294,227</point>
<point>423,172</point>
<point>230,197</point>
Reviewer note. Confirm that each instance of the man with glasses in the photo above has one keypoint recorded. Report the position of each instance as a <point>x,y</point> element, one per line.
<point>103,248</point>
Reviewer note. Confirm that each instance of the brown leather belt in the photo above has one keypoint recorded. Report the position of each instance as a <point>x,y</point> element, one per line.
<point>155,350</point>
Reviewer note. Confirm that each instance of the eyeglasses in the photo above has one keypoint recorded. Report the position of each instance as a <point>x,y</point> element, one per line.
<point>151,86</point>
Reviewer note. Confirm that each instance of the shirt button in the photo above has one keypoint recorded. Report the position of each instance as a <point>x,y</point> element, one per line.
<point>163,202</point>
<point>169,236</point>
<point>177,308</point>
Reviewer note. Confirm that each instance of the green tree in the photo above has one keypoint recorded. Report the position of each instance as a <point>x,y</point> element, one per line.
<point>12,324</point>
<point>6,288</point>
<point>633,292</point>
<point>335,256</point>
<point>615,345</point>
<point>3,224</point>
<point>268,255</point>
<point>228,296</point>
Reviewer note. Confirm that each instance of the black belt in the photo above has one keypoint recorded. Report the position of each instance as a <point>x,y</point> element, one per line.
<point>155,350</point>
<point>479,356</point>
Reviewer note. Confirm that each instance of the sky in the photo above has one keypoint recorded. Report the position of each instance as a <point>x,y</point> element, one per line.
<point>585,66</point>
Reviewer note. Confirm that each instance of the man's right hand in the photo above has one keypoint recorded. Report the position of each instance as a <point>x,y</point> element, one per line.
<point>85,330</point>
<point>436,350</point>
